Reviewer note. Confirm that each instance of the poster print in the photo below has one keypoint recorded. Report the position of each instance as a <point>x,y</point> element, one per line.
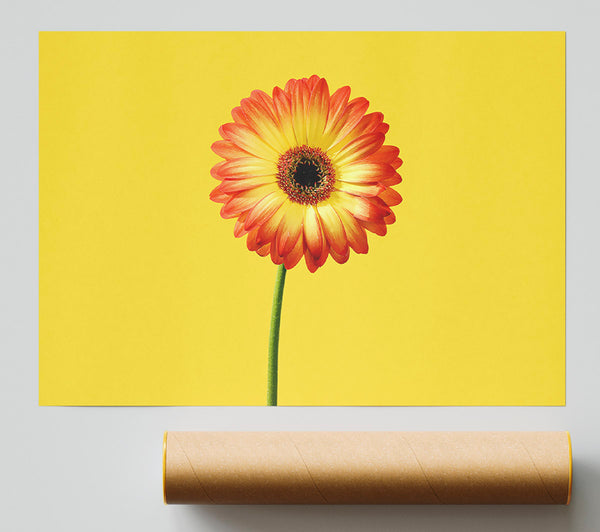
<point>403,191</point>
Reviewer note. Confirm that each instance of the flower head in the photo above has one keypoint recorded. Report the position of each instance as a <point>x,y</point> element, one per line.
<point>306,173</point>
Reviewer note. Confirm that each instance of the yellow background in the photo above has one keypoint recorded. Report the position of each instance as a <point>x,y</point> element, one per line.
<point>147,298</point>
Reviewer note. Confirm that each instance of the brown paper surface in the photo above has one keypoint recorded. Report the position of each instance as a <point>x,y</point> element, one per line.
<point>367,467</point>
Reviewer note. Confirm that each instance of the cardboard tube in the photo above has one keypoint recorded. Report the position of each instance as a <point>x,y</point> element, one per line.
<point>367,467</point>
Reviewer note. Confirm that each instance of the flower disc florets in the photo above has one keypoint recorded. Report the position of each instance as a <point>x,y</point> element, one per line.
<point>306,175</point>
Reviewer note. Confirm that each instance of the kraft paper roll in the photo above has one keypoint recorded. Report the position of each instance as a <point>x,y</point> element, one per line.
<point>367,467</point>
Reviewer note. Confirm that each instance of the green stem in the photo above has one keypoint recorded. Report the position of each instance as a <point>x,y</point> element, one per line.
<point>274,337</point>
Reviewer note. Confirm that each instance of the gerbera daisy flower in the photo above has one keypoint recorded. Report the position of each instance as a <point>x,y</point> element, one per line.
<point>306,173</point>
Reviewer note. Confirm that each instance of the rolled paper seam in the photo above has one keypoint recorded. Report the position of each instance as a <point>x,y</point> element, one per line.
<point>367,468</point>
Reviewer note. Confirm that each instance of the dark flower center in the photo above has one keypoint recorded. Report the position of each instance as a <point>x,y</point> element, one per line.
<point>306,175</point>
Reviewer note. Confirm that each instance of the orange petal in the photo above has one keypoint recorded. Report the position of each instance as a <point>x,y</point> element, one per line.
<point>379,228</point>
<point>360,207</point>
<point>268,229</point>
<point>367,124</point>
<point>314,263</point>
<point>352,115</point>
<point>383,128</point>
<point>266,102</point>
<point>247,139</point>
<point>214,171</point>
<point>390,218</point>
<point>295,254</point>
<point>390,197</point>
<point>310,262</point>
<point>393,180</point>
<point>363,172</point>
<point>299,98</point>
<point>337,106</point>
<point>239,229</point>
<point>251,243</point>
<point>312,81</point>
<point>218,196</point>
<point>283,108</point>
<point>264,209</point>
<point>233,186</point>
<point>333,229</point>
<point>320,261</point>
<point>289,86</point>
<point>340,258</point>
<point>275,257</point>
<point>245,200</point>
<point>385,154</point>
<point>359,148</point>
<point>243,167</point>
<point>318,108</point>
<point>313,236</point>
<point>228,150</point>
<point>290,227</point>
<point>397,163</point>
<point>357,238</point>
<point>263,251</point>
<point>238,116</point>
<point>360,189</point>
<point>261,121</point>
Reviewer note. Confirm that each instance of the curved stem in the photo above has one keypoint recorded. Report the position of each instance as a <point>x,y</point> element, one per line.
<point>274,337</point>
